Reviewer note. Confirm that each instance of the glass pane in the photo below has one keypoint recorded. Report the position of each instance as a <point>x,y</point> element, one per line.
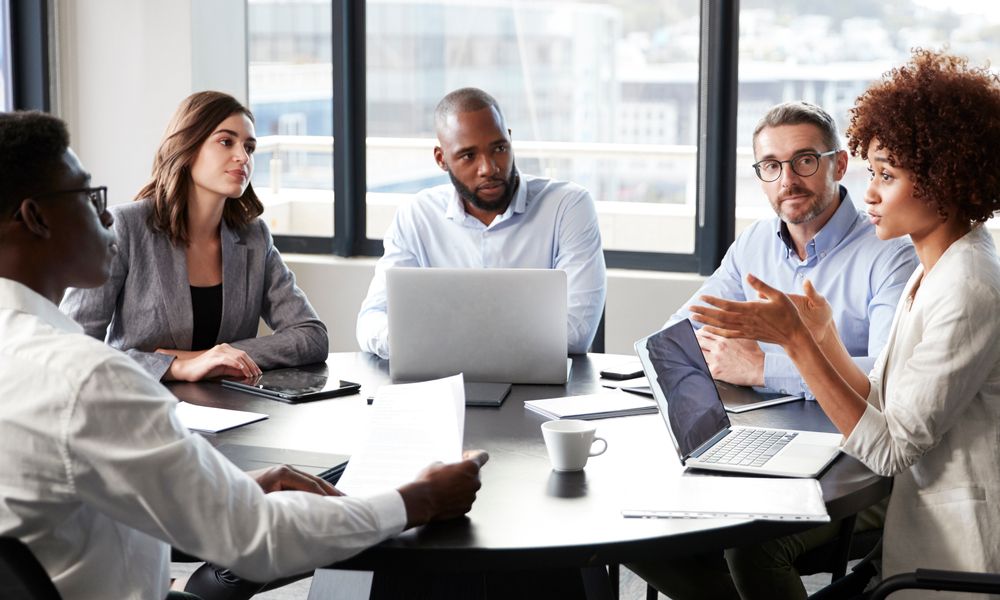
<point>600,93</point>
<point>6,101</point>
<point>828,53</point>
<point>291,95</point>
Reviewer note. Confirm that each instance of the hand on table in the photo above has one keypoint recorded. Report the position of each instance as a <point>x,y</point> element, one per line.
<point>220,361</point>
<point>737,361</point>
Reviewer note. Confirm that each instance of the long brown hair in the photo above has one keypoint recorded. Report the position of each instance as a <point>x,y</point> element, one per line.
<point>170,184</point>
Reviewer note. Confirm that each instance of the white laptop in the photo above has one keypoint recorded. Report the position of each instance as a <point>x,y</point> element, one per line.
<point>492,325</point>
<point>697,421</point>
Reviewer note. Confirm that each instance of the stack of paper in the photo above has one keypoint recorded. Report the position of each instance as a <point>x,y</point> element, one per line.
<point>214,420</point>
<point>737,498</point>
<point>593,406</point>
<point>412,426</point>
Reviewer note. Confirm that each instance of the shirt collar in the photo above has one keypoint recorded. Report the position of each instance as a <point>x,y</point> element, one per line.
<point>518,204</point>
<point>14,295</point>
<point>834,232</point>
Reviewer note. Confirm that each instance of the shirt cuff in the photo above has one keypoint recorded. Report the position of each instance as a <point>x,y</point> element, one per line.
<point>780,375</point>
<point>865,435</point>
<point>389,510</point>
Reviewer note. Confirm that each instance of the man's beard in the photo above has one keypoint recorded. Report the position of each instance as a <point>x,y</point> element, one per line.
<point>813,210</point>
<point>499,205</point>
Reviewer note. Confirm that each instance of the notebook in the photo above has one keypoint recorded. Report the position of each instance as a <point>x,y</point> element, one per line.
<point>602,405</point>
<point>736,398</point>
<point>699,426</point>
<point>492,325</point>
<point>294,385</point>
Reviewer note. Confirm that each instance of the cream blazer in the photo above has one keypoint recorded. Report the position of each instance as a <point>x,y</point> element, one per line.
<point>933,419</point>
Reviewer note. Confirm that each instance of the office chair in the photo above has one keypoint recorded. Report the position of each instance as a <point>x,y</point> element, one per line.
<point>932,579</point>
<point>21,575</point>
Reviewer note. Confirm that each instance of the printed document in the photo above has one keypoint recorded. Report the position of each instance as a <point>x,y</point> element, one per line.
<point>412,426</point>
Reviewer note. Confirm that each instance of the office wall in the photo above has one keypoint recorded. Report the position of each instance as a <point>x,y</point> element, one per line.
<point>638,301</point>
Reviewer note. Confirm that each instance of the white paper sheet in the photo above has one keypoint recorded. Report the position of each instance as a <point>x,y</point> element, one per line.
<point>412,426</point>
<point>214,420</point>
<point>737,498</point>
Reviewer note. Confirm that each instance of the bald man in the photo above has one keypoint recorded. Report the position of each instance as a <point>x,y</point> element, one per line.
<point>491,216</point>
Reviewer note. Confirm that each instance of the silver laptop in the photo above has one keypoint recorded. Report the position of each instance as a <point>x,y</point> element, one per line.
<point>697,421</point>
<point>493,325</point>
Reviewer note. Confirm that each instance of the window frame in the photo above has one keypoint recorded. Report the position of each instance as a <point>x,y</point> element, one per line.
<point>715,214</point>
<point>29,54</point>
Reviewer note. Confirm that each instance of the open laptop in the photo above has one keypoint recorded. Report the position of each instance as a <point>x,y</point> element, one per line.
<point>492,325</point>
<point>697,421</point>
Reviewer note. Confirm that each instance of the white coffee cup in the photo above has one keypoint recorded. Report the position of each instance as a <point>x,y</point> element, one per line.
<point>570,443</point>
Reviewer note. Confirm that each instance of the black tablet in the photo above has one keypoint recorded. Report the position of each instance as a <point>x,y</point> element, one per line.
<point>293,385</point>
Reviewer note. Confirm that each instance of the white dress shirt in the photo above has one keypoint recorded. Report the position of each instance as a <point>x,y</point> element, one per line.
<point>933,416</point>
<point>99,477</point>
<point>548,225</point>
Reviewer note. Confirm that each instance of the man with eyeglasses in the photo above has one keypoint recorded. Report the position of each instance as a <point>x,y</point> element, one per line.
<point>98,476</point>
<point>821,236</point>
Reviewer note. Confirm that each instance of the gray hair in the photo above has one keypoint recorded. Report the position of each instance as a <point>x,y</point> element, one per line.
<point>464,100</point>
<point>798,113</point>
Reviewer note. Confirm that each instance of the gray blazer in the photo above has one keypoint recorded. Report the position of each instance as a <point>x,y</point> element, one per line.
<point>146,303</point>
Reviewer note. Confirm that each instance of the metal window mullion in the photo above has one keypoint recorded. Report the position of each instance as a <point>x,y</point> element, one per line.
<point>349,184</point>
<point>717,99</point>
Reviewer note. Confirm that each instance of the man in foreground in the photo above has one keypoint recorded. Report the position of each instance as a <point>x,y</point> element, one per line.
<point>99,478</point>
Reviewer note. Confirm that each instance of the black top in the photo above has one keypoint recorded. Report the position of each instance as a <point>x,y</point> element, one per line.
<point>206,306</point>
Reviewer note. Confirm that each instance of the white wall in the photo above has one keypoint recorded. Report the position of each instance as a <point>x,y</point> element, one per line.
<point>123,67</point>
<point>638,301</point>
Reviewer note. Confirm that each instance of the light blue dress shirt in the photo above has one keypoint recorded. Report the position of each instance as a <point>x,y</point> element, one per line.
<point>548,225</point>
<point>861,276</point>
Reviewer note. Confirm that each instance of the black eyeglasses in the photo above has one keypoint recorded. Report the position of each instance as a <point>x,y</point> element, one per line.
<point>98,196</point>
<point>803,165</point>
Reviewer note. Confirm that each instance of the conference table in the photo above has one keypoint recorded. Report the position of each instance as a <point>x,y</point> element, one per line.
<point>528,517</point>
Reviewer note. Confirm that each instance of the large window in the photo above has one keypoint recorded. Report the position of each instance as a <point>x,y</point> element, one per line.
<point>291,94</point>
<point>829,53</point>
<point>600,93</point>
<point>603,93</point>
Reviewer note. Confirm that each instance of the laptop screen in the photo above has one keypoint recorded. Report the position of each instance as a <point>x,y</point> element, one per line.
<point>683,386</point>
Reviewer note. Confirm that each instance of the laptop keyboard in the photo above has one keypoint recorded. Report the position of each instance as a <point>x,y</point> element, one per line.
<point>748,447</point>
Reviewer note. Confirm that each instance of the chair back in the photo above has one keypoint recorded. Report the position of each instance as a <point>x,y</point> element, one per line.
<point>21,575</point>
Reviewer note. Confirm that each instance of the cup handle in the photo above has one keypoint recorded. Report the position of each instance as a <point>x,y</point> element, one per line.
<point>603,449</point>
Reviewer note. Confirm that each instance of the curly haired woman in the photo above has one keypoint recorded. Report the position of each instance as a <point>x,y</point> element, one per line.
<point>929,412</point>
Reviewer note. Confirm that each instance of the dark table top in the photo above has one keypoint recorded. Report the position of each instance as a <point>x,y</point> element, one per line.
<point>526,515</point>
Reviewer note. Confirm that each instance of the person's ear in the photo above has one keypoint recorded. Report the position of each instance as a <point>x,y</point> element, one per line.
<point>33,217</point>
<point>439,158</point>
<point>841,165</point>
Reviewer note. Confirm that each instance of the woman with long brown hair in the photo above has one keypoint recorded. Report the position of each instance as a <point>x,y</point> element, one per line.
<point>196,268</point>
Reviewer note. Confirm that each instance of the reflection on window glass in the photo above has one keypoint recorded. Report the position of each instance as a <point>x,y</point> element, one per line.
<point>599,93</point>
<point>291,90</point>
<point>828,53</point>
